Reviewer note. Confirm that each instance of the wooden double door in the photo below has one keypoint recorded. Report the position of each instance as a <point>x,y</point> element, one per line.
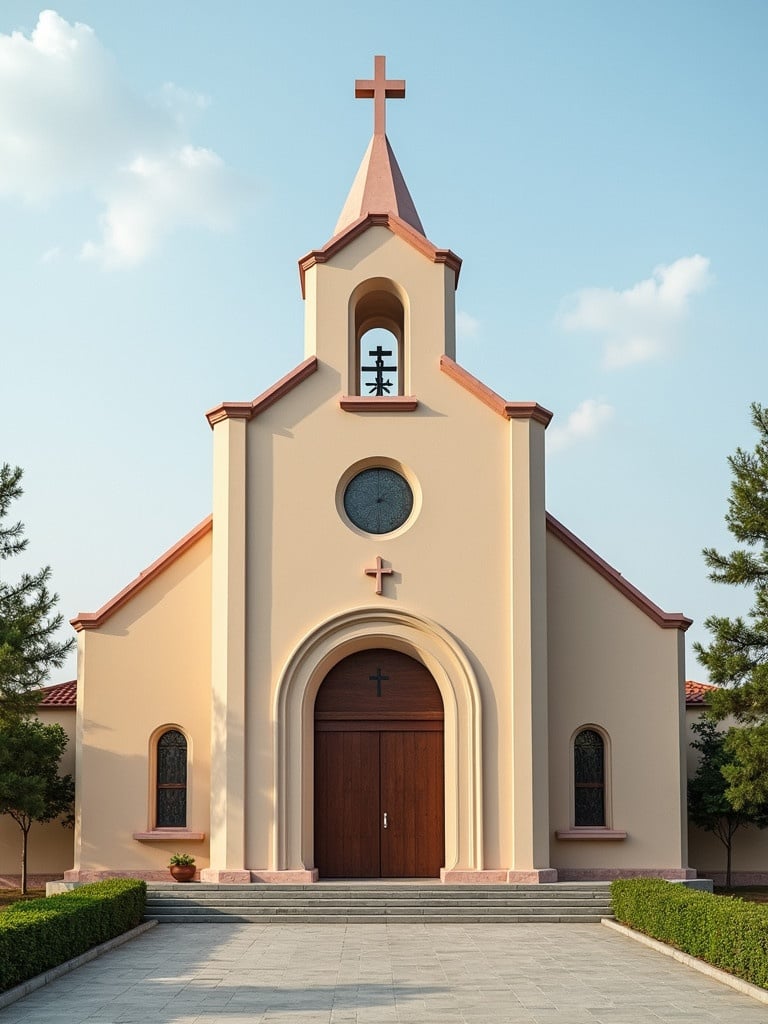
<point>379,792</point>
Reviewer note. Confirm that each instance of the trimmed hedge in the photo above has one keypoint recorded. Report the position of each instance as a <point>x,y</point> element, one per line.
<point>725,931</point>
<point>39,934</point>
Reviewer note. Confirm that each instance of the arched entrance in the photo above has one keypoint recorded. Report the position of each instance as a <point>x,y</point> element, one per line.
<point>379,787</point>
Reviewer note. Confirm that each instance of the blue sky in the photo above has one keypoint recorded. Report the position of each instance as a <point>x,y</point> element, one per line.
<point>599,167</point>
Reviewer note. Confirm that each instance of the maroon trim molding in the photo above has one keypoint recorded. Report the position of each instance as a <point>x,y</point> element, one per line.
<point>667,620</point>
<point>248,410</point>
<point>509,410</point>
<point>387,403</point>
<point>397,226</point>
<point>92,620</point>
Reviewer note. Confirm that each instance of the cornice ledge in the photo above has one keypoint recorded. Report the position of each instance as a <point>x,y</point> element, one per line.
<point>384,403</point>
<point>592,833</point>
<point>165,835</point>
<point>528,411</point>
<point>509,410</point>
<point>92,620</point>
<point>666,620</point>
<point>249,410</point>
<point>387,220</point>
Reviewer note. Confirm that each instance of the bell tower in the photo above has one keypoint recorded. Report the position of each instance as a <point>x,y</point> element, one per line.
<point>379,274</point>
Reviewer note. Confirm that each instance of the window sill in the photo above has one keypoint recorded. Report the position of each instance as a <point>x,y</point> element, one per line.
<point>387,403</point>
<point>160,835</point>
<point>590,833</point>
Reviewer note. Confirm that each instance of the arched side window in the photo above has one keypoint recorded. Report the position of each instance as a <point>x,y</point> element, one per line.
<point>589,779</point>
<point>171,784</point>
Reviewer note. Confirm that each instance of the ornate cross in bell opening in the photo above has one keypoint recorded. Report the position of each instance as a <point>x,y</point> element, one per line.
<point>378,386</point>
<point>380,89</point>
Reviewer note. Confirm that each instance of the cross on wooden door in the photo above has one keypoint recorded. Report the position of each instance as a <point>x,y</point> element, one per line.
<point>378,679</point>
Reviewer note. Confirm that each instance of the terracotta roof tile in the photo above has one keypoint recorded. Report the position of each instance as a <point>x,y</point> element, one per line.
<point>60,695</point>
<point>696,693</point>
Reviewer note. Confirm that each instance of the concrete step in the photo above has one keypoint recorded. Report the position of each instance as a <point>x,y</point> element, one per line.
<point>346,902</point>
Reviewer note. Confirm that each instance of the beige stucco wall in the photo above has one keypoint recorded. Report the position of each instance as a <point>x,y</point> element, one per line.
<point>707,854</point>
<point>305,563</point>
<point>50,846</point>
<point>612,667</point>
<point>147,666</point>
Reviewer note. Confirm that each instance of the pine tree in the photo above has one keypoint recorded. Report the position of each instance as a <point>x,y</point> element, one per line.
<point>737,657</point>
<point>29,648</point>
<point>709,807</point>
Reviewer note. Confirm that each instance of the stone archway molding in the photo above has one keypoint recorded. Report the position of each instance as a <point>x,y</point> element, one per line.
<point>305,670</point>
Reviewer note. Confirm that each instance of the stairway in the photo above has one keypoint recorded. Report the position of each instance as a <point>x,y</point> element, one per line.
<point>378,902</point>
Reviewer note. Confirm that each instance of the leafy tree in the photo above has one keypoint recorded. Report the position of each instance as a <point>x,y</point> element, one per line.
<point>28,625</point>
<point>737,657</point>
<point>31,788</point>
<point>709,806</point>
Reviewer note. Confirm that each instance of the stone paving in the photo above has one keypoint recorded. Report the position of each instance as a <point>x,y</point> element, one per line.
<point>382,974</point>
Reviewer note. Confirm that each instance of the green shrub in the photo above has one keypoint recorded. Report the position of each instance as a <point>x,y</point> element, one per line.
<point>39,934</point>
<point>724,931</point>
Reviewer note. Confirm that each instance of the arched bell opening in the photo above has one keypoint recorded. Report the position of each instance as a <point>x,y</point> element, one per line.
<point>378,367</point>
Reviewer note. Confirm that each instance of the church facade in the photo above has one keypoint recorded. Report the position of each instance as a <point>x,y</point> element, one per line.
<point>380,656</point>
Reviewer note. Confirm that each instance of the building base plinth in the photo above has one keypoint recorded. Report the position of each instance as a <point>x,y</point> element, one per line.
<point>500,876</point>
<point>225,876</point>
<point>533,877</point>
<point>76,875</point>
<point>457,876</point>
<point>301,876</point>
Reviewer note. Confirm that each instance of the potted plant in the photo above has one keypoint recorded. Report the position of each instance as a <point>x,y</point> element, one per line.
<point>182,867</point>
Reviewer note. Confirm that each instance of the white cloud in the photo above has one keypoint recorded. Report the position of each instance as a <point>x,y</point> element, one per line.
<point>69,123</point>
<point>641,322</point>
<point>586,421</point>
<point>466,325</point>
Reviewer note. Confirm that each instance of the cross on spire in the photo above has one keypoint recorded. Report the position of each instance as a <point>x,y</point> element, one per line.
<point>380,89</point>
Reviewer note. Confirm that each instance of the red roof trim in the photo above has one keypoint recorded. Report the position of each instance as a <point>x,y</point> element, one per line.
<point>696,694</point>
<point>397,226</point>
<point>509,410</point>
<point>92,620</point>
<point>667,620</point>
<point>248,410</point>
<point>59,695</point>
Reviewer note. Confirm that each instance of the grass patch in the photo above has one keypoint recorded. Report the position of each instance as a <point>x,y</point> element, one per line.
<point>10,896</point>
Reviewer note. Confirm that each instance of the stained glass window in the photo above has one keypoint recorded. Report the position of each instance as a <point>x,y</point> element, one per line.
<point>589,778</point>
<point>171,780</point>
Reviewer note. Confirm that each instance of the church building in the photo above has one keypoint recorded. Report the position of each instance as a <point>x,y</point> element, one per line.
<point>380,656</point>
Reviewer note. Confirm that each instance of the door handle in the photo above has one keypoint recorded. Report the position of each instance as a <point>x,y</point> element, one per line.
<point>385,819</point>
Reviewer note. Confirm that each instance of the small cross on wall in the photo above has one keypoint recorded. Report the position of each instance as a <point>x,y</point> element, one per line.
<point>379,572</point>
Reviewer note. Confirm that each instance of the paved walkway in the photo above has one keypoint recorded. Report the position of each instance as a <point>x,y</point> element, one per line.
<point>372,974</point>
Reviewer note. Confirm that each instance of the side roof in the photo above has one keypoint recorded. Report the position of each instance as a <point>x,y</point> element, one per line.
<point>92,620</point>
<point>60,695</point>
<point>697,694</point>
<point>667,620</point>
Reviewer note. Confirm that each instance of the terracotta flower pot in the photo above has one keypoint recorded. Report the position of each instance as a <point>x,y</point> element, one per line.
<point>183,872</point>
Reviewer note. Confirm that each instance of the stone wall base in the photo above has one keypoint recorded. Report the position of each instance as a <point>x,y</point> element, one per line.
<point>737,877</point>
<point>222,876</point>
<point>609,874</point>
<point>163,875</point>
<point>499,876</point>
<point>33,881</point>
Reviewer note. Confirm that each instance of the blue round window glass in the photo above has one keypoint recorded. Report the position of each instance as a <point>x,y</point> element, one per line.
<point>378,500</point>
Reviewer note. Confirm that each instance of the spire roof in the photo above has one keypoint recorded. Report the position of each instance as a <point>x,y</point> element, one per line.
<point>379,186</point>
